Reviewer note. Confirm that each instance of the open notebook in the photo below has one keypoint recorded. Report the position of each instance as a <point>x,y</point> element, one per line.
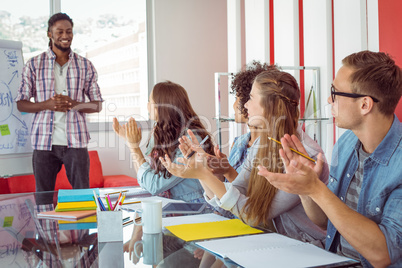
<point>66,215</point>
<point>274,249</point>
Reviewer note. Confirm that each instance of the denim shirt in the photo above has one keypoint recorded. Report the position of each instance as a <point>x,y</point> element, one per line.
<point>239,151</point>
<point>380,198</point>
<point>189,190</point>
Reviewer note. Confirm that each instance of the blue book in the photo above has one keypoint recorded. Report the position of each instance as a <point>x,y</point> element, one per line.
<point>77,226</point>
<point>74,195</point>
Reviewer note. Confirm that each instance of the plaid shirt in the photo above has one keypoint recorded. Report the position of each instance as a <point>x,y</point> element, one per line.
<point>38,82</point>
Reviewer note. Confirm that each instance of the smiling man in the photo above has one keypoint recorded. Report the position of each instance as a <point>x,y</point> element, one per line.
<point>362,206</point>
<point>58,80</point>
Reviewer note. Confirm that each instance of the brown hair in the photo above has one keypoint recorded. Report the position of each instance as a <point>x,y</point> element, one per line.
<point>175,116</point>
<point>243,81</point>
<point>280,96</point>
<point>376,74</point>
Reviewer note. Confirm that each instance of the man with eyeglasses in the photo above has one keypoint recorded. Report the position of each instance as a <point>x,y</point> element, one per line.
<point>362,206</point>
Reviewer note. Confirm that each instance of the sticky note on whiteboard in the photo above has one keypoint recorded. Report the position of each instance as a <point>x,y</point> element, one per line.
<point>4,130</point>
<point>8,221</point>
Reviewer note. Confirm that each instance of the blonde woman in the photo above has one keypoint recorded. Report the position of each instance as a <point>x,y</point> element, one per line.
<point>273,109</point>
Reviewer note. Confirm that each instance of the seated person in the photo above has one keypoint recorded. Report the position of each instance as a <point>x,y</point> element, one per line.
<point>273,109</point>
<point>361,208</point>
<point>241,87</point>
<point>230,167</point>
<point>170,107</point>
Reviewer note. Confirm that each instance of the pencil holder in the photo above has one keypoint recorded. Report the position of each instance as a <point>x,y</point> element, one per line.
<point>110,239</point>
<point>110,228</point>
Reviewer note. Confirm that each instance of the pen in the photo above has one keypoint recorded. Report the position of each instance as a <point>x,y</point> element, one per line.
<point>127,223</point>
<point>134,202</point>
<point>107,198</point>
<point>122,191</point>
<point>117,202</point>
<point>120,203</point>
<point>299,153</point>
<point>102,206</point>
<point>201,143</point>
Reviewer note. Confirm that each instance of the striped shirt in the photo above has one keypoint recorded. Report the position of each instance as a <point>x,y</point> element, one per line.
<point>38,82</point>
<point>352,199</point>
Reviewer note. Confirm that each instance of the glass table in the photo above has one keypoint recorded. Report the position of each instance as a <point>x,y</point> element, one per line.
<point>28,241</point>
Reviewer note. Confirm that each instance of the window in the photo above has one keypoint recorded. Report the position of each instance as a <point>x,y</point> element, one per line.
<point>112,35</point>
<point>27,24</point>
<point>113,38</point>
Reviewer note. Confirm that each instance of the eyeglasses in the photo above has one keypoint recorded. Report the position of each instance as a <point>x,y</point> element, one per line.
<point>348,95</point>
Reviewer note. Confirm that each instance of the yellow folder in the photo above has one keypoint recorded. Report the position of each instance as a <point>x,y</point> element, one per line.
<point>208,230</point>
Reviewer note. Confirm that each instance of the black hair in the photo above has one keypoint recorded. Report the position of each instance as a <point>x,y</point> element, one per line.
<point>55,18</point>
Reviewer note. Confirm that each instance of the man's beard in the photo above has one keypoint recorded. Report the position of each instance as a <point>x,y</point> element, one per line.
<point>64,49</point>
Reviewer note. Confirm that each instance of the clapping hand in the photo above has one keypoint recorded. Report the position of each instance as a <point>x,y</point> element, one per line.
<point>120,130</point>
<point>218,163</point>
<point>129,131</point>
<point>301,174</point>
<point>287,155</point>
<point>191,167</point>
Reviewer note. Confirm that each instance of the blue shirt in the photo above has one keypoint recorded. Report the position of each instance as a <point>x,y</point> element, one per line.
<point>239,151</point>
<point>380,198</point>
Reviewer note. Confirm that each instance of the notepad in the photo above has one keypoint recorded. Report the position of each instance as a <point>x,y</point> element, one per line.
<point>81,204</point>
<point>74,195</point>
<point>78,226</point>
<point>86,219</point>
<point>57,209</point>
<point>66,215</point>
<point>275,249</point>
<point>208,230</point>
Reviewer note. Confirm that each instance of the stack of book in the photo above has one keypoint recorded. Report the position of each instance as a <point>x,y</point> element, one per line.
<point>76,200</point>
<point>85,223</point>
<point>76,209</point>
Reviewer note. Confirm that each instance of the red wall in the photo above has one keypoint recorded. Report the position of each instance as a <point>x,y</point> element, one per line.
<point>390,34</point>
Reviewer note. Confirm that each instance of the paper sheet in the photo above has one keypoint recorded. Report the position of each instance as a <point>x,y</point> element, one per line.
<point>199,218</point>
<point>273,249</point>
<point>133,207</point>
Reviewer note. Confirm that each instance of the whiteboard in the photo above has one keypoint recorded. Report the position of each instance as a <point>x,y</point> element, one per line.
<point>14,126</point>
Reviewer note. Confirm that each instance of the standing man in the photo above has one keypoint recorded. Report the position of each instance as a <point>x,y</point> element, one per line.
<point>59,80</point>
<point>362,206</point>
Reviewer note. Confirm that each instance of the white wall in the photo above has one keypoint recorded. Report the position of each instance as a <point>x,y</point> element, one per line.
<point>318,52</point>
<point>190,46</point>
<point>257,30</point>
<point>349,33</point>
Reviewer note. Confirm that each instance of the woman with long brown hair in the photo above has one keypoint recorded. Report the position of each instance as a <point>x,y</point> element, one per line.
<point>273,110</point>
<point>170,108</point>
